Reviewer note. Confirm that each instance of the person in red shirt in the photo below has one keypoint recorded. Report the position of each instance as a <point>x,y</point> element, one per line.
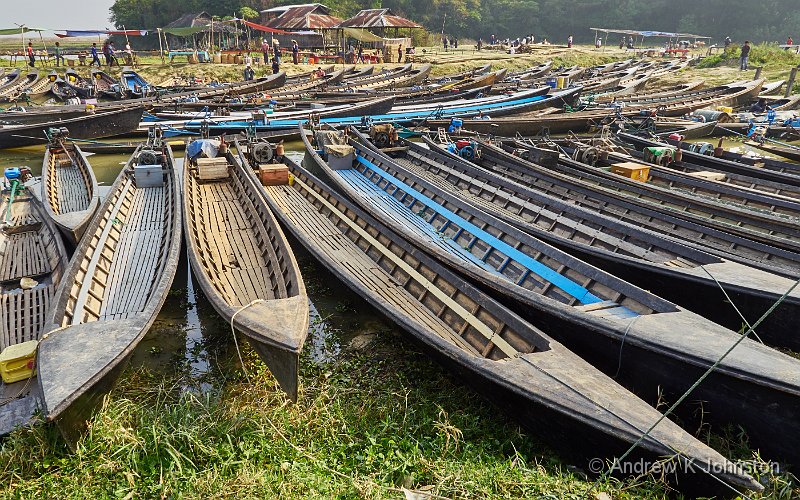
<point>789,41</point>
<point>31,55</point>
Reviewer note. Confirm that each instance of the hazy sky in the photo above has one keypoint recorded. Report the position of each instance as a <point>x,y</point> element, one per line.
<point>57,14</point>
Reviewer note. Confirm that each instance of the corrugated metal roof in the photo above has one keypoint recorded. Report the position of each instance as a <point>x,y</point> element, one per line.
<point>191,20</point>
<point>299,17</point>
<point>284,8</point>
<point>378,18</point>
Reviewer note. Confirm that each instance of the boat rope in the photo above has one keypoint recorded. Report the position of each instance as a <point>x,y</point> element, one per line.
<point>677,454</point>
<point>22,391</point>
<point>700,380</point>
<point>622,344</point>
<point>233,332</point>
<point>728,298</point>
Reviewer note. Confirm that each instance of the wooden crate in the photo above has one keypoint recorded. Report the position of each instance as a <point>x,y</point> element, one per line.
<point>273,174</point>
<point>635,171</point>
<point>212,169</point>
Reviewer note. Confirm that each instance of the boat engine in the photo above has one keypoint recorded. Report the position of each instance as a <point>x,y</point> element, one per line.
<point>262,152</point>
<point>383,136</point>
<point>148,157</point>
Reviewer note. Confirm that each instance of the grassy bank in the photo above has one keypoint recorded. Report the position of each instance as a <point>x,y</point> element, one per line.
<point>379,419</point>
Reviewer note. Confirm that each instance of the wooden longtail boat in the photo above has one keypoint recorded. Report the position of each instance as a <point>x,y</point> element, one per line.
<point>584,190</point>
<point>84,87</point>
<point>106,85</point>
<point>531,73</point>
<point>37,88</point>
<point>89,126</point>
<point>129,147</point>
<point>391,81</point>
<point>133,85</point>
<point>782,172</point>
<point>31,249</point>
<point>720,188</point>
<point>69,188</point>
<point>678,90</point>
<point>533,376</point>
<point>781,230</point>
<point>10,79</point>
<point>245,266</point>
<point>60,88</point>
<point>13,90</point>
<point>112,290</point>
<point>586,309</point>
<point>677,270</point>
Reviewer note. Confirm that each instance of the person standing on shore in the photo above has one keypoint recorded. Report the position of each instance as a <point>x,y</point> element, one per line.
<point>400,53</point>
<point>31,55</point>
<point>265,50</point>
<point>743,57</point>
<point>95,58</point>
<point>59,55</point>
<point>569,42</point>
<point>276,66</point>
<point>295,52</point>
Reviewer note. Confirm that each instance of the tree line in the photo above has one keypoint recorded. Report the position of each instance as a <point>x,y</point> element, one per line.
<point>764,21</point>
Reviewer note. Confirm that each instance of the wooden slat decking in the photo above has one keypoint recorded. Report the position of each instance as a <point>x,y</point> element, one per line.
<point>28,249</point>
<point>319,228</point>
<point>238,260</point>
<point>126,256</point>
<point>68,186</point>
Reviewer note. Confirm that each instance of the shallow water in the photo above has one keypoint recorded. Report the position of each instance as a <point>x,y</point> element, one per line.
<point>188,337</point>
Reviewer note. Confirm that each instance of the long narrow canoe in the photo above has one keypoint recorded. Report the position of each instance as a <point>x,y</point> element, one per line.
<point>112,290</point>
<point>13,90</point>
<point>88,126</point>
<point>590,311</point>
<point>30,247</point>
<point>84,87</point>
<point>553,392</point>
<point>680,271</point>
<point>593,196</point>
<point>106,85</point>
<point>245,266</point>
<point>783,172</point>
<point>69,188</point>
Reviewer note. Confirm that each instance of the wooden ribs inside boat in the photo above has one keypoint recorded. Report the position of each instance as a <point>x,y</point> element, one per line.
<point>244,264</point>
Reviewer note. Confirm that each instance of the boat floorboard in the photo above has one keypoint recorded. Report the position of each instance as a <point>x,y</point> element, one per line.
<point>229,246</point>
<point>70,191</point>
<point>132,267</point>
<point>340,249</point>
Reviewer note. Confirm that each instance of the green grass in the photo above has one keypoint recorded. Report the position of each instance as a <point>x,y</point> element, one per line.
<point>367,425</point>
<point>377,420</point>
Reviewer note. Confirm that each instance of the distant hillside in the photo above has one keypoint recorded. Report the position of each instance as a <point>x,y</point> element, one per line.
<point>767,20</point>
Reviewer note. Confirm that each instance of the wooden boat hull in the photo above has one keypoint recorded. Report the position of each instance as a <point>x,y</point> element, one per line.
<point>245,266</point>
<point>753,371</point>
<point>113,290</point>
<point>83,87</point>
<point>517,383</point>
<point>24,311</point>
<point>668,267</point>
<point>92,126</point>
<point>69,192</point>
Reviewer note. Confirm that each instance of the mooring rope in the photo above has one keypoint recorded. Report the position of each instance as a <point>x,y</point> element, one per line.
<point>233,332</point>
<point>698,382</point>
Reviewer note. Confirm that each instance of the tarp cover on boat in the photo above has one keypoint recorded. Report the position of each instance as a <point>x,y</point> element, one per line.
<point>208,147</point>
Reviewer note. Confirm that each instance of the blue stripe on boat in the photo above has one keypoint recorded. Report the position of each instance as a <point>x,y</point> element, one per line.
<point>562,282</point>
